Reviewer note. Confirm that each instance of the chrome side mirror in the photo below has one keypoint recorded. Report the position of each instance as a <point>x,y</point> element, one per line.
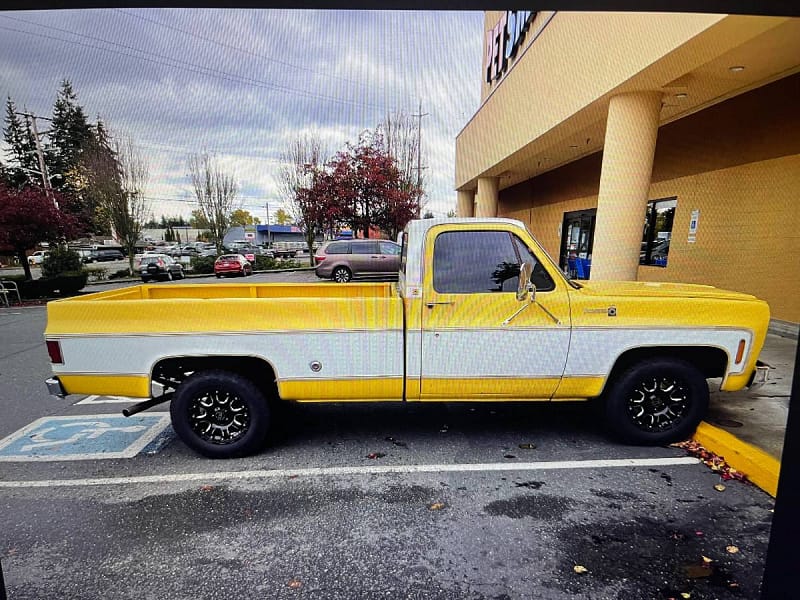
<point>526,289</point>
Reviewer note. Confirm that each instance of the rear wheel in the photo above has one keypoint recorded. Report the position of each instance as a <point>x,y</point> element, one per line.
<point>220,414</point>
<point>656,402</point>
<point>341,275</point>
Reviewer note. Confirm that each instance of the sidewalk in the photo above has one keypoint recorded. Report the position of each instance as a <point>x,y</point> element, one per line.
<point>748,427</point>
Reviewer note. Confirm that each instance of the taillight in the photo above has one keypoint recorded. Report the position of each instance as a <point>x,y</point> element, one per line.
<point>319,258</point>
<point>160,263</point>
<point>54,350</point>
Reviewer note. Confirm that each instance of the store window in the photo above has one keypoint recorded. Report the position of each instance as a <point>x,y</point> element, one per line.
<point>577,239</point>
<point>657,232</point>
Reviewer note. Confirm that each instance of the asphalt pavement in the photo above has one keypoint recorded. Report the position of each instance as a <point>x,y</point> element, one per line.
<point>368,501</point>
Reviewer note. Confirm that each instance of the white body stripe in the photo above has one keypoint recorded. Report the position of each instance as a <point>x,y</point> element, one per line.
<point>522,353</point>
<point>343,355</point>
<point>594,351</point>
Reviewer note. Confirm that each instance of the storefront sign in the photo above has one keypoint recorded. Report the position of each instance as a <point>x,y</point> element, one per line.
<point>693,226</point>
<point>504,40</point>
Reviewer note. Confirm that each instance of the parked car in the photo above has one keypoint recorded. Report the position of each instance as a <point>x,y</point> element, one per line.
<point>106,254</point>
<point>160,266</point>
<point>37,257</point>
<point>344,259</point>
<point>232,264</point>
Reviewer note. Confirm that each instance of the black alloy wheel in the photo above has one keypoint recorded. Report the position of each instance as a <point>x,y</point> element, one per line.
<point>220,414</point>
<point>657,401</point>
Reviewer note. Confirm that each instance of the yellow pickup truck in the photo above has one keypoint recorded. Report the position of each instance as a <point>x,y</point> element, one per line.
<point>480,312</point>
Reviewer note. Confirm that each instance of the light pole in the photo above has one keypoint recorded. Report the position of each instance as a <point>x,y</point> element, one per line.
<point>269,236</point>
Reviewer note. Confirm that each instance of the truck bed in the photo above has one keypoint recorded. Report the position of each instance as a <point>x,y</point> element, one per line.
<point>228,307</point>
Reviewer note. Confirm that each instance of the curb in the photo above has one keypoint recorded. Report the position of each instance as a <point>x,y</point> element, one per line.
<point>761,468</point>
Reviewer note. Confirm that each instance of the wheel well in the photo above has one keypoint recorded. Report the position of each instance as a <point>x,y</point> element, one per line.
<point>170,372</point>
<point>712,362</point>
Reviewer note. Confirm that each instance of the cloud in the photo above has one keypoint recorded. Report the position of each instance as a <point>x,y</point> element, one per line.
<point>244,84</point>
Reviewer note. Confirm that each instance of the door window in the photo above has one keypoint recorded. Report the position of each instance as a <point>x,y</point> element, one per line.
<point>468,262</point>
<point>364,248</point>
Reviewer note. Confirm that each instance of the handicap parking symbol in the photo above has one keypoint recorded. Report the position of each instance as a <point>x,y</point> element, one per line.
<point>87,437</point>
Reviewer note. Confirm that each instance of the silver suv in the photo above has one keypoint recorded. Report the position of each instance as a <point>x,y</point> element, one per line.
<point>344,259</point>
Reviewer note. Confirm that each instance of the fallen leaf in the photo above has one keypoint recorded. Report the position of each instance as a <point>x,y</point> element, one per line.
<point>293,476</point>
<point>580,569</point>
<point>698,533</point>
<point>527,446</point>
<point>376,455</point>
<point>436,506</point>
<point>509,456</point>
<point>685,595</point>
<point>732,549</point>
<point>295,584</point>
<point>719,487</point>
<point>206,488</point>
<point>707,560</point>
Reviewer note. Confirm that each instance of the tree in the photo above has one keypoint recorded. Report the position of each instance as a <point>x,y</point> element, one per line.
<point>23,162</point>
<point>198,220</point>
<point>401,137</point>
<point>242,218</point>
<point>128,208</point>
<point>298,177</point>
<point>372,189</point>
<point>28,217</point>
<point>216,193</point>
<point>70,133</point>
<point>282,217</point>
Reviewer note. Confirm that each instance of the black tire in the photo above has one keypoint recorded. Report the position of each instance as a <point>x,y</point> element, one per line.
<point>657,401</point>
<point>219,276</point>
<point>145,279</point>
<point>341,275</point>
<point>240,420</point>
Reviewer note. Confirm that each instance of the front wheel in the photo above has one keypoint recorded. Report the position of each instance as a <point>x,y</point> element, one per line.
<point>657,401</point>
<point>220,414</point>
<point>341,275</point>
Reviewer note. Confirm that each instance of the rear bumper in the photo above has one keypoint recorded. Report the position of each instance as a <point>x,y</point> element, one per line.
<point>759,376</point>
<point>55,388</point>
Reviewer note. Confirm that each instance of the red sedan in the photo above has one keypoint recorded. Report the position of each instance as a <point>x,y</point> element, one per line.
<point>232,264</point>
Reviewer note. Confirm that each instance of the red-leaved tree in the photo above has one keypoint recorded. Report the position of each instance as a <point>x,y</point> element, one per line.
<point>29,217</point>
<point>371,189</point>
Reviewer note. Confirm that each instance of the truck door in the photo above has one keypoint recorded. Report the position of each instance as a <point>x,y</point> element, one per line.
<point>469,348</point>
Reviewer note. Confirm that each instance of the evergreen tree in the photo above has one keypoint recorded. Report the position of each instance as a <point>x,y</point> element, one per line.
<point>70,133</point>
<point>23,162</point>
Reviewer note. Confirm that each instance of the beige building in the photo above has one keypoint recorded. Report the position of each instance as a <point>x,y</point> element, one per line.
<point>651,147</point>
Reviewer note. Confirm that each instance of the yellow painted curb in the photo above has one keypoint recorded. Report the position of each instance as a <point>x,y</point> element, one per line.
<point>761,468</point>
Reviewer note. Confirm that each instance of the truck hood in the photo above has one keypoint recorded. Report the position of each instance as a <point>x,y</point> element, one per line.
<point>659,290</point>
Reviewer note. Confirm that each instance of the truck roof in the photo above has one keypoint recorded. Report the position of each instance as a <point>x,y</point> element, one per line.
<point>418,229</point>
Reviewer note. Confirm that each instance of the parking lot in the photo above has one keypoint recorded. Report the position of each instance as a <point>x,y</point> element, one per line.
<point>372,501</point>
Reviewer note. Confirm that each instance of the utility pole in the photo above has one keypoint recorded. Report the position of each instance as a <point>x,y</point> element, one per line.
<point>30,118</point>
<point>419,116</point>
<point>269,237</point>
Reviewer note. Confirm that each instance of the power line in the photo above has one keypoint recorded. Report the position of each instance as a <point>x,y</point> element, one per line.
<point>239,49</point>
<point>192,67</point>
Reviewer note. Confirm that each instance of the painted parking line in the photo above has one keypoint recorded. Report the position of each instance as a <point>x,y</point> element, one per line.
<point>108,400</point>
<point>87,437</point>
<point>357,470</point>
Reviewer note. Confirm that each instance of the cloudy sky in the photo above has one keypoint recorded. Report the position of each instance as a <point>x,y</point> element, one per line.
<point>244,83</point>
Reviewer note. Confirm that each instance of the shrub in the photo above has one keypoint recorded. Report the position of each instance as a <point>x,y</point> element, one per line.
<point>121,274</point>
<point>61,260</point>
<point>96,273</point>
<point>67,284</point>
<point>203,264</point>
